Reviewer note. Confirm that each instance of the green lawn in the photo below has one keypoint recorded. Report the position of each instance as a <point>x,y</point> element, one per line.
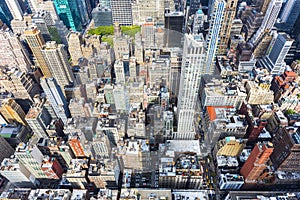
<point>108,39</point>
<point>109,30</point>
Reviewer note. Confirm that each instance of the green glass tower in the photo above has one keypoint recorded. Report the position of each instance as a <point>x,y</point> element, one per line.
<point>69,12</point>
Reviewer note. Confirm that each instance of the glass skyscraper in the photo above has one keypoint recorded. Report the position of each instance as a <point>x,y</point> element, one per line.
<point>5,14</point>
<point>69,12</point>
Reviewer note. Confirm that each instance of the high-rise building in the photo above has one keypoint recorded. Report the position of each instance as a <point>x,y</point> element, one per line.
<point>148,10</point>
<point>69,12</point>
<point>290,14</point>
<point>286,155</point>
<point>198,23</point>
<point>31,158</point>
<point>6,150</point>
<point>102,16</point>
<point>74,47</point>
<point>21,85</point>
<point>5,14</point>
<point>191,71</point>
<point>15,9</point>
<point>174,22</point>
<point>56,98</point>
<point>45,23</point>
<point>254,167</point>
<point>16,173</point>
<point>276,53</point>
<point>35,41</point>
<point>121,97</point>
<point>57,61</point>
<point>38,119</point>
<point>229,15</point>
<point>216,20</point>
<point>269,19</point>
<point>12,53</point>
<point>121,12</point>
<point>12,112</point>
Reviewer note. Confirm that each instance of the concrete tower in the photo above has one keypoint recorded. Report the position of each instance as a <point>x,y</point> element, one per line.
<point>213,36</point>
<point>191,71</point>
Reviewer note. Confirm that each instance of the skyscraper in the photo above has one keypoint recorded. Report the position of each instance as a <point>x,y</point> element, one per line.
<point>12,111</point>
<point>191,71</point>
<point>12,53</point>
<point>269,19</point>
<point>5,14</point>
<point>69,12</point>
<point>229,15</point>
<point>74,46</point>
<point>56,59</point>
<point>290,14</point>
<point>56,98</point>
<point>276,53</point>
<point>213,35</point>
<point>15,9</point>
<point>121,12</point>
<point>35,41</point>
<point>38,119</point>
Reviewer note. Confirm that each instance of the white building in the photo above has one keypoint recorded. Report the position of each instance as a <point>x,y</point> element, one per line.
<point>15,9</point>
<point>213,35</point>
<point>56,59</point>
<point>191,71</point>
<point>56,98</point>
<point>269,19</point>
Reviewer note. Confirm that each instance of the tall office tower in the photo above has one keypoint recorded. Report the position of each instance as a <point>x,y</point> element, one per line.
<point>276,53</point>
<point>261,5</point>
<point>102,16</point>
<point>49,7</point>
<point>174,22</point>
<point>16,173</point>
<point>119,71</point>
<point>286,153</point>
<point>148,36</point>
<point>269,19</point>
<point>121,97</point>
<point>229,15</point>
<point>74,46</point>
<point>212,38</point>
<point>63,32</point>
<point>252,22</point>
<point>35,41</point>
<point>253,169</point>
<point>57,61</point>
<point>6,150</point>
<point>148,10</point>
<point>69,13</point>
<point>38,119</point>
<point>31,158</point>
<point>12,53</point>
<point>44,22</point>
<point>15,9</point>
<point>192,68</point>
<point>5,14</point>
<point>198,23</point>
<point>20,84</point>
<point>12,112</point>
<point>84,11</point>
<point>289,15</point>
<point>33,5</point>
<point>56,98</point>
<point>121,12</point>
